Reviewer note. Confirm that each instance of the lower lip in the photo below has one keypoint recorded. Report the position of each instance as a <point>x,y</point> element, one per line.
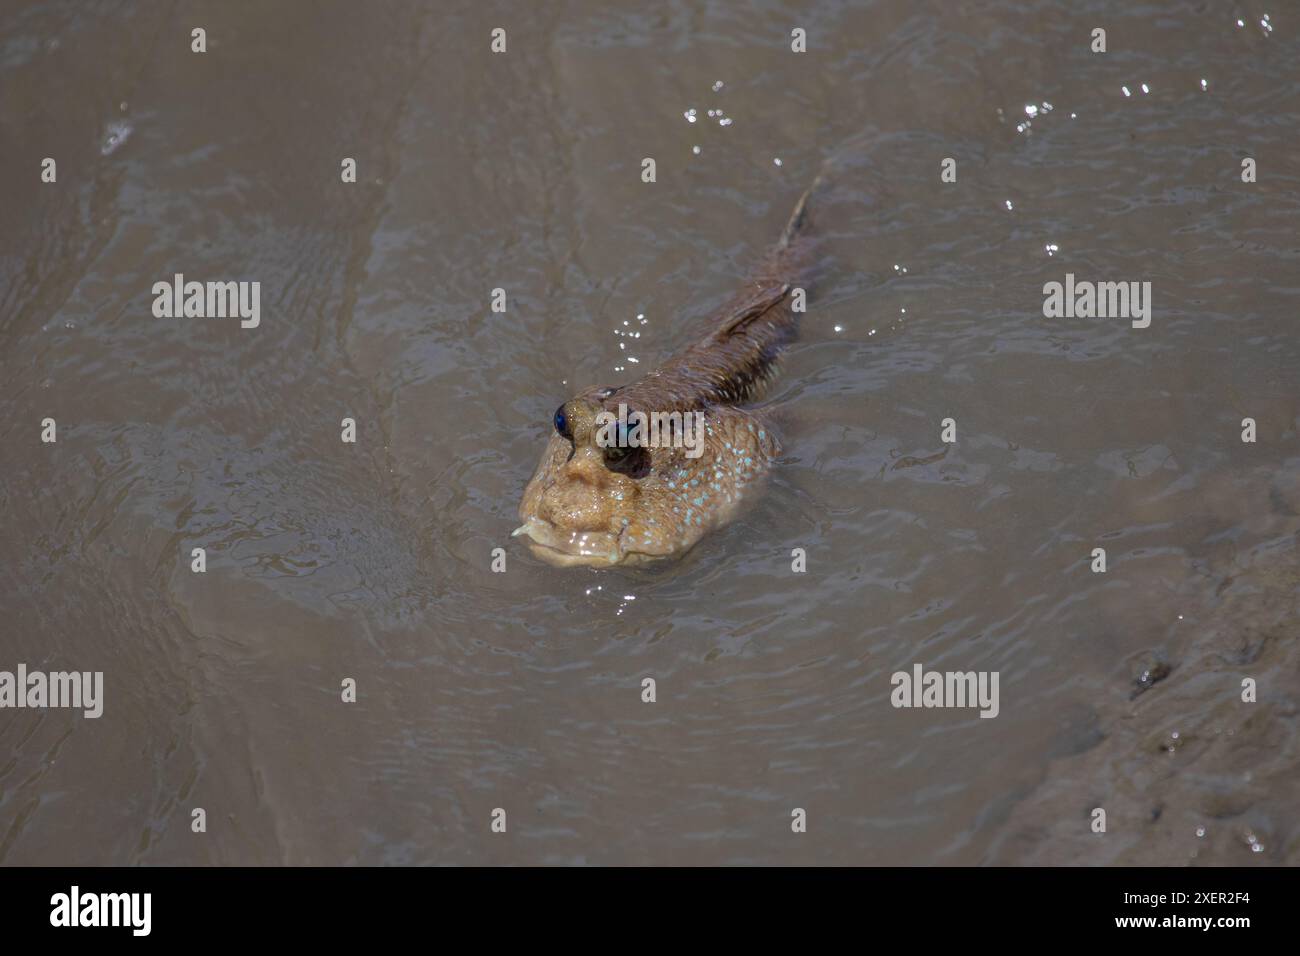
<point>579,553</point>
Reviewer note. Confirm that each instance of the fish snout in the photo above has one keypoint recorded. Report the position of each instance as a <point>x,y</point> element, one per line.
<point>577,505</point>
<point>585,496</point>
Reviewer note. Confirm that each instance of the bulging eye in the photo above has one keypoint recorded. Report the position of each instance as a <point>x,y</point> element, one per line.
<point>562,422</point>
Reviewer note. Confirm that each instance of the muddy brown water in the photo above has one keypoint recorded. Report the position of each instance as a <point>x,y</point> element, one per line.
<point>522,690</point>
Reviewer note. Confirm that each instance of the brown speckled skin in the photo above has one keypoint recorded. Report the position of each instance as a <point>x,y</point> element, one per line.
<point>582,508</point>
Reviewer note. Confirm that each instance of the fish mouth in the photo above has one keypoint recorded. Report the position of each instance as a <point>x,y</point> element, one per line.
<point>577,548</point>
<point>599,549</point>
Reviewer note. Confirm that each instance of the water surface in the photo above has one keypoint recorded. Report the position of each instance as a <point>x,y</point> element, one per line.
<point>522,690</point>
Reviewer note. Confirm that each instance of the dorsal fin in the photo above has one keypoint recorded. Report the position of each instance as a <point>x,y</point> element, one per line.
<point>746,311</point>
<point>732,362</point>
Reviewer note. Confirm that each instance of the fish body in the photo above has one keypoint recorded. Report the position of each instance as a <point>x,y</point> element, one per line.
<point>603,495</point>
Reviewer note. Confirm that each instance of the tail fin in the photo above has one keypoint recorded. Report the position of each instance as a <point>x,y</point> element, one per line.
<point>798,222</point>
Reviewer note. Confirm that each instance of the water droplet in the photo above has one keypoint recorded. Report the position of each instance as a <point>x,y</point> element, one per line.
<point>117,133</point>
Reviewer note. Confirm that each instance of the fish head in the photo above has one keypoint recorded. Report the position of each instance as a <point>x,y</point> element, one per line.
<point>605,495</point>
